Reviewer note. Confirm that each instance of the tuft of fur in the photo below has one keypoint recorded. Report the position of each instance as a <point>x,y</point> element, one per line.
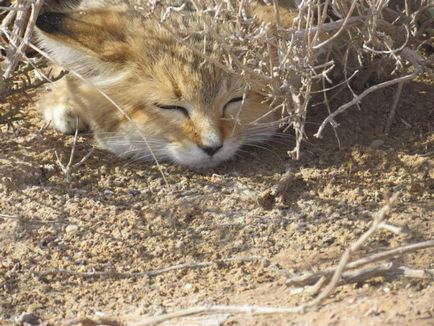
<point>173,103</point>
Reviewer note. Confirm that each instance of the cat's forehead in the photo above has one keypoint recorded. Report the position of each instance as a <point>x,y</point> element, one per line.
<point>205,89</point>
<point>189,81</point>
<point>188,66</point>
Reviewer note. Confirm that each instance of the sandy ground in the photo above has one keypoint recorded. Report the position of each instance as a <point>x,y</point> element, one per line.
<point>120,218</point>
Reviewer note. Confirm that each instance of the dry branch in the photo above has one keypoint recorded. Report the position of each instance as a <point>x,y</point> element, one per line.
<point>392,112</point>
<point>16,49</point>
<point>69,168</point>
<point>311,278</point>
<point>114,273</point>
<point>360,97</point>
<point>6,92</point>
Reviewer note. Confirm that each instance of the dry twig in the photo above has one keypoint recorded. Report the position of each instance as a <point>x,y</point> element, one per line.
<point>392,112</point>
<point>113,273</point>
<point>311,278</point>
<point>71,166</point>
<point>15,50</point>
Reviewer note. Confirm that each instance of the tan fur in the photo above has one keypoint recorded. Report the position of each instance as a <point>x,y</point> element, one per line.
<point>140,66</point>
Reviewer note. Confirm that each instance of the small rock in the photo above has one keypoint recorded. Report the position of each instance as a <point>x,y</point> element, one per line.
<point>108,192</point>
<point>266,200</point>
<point>30,319</point>
<point>71,229</point>
<point>49,167</point>
<point>134,192</point>
<point>377,143</point>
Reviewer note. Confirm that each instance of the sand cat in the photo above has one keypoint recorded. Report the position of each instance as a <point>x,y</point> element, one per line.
<point>146,94</point>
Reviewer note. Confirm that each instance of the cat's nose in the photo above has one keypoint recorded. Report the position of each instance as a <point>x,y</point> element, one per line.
<point>211,150</point>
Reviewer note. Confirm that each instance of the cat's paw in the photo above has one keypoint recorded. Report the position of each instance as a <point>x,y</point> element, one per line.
<point>63,118</point>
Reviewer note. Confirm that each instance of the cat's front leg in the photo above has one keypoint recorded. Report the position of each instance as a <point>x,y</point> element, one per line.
<point>62,109</point>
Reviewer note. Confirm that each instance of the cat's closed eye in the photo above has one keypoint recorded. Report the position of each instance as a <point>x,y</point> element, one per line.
<point>229,105</point>
<point>181,109</point>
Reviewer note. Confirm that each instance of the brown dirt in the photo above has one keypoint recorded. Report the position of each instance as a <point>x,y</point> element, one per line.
<point>120,216</point>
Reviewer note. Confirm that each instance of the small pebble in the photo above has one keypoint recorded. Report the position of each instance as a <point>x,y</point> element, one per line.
<point>71,229</point>
<point>134,192</point>
<point>267,200</point>
<point>29,319</point>
<point>188,286</point>
<point>48,167</point>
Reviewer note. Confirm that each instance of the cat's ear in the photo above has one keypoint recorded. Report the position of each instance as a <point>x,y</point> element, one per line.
<point>88,42</point>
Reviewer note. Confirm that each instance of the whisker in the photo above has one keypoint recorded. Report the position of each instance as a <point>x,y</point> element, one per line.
<point>264,148</point>
<point>121,138</point>
<point>144,158</point>
<point>134,152</point>
<point>243,151</point>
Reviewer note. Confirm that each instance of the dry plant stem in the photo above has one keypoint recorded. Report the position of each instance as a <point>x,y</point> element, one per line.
<point>277,14</point>
<point>12,51</point>
<point>385,269</point>
<point>310,278</point>
<point>357,99</point>
<point>330,27</point>
<point>257,310</point>
<point>326,102</point>
<point>393,228</point>
<point>9,92</point>
<point>96,322</point>
<point>15,53</point>
<point>70,167</point>
<point>24,57</point>
<point>344,24</point>
<point>322,17</point>
<point>358,276</point>
<point>353,276</point>
<point>413,273</point>
<point>392,113</point>
<point>9,17</point>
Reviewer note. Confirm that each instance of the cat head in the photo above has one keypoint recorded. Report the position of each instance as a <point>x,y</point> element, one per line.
<point>169,100</point>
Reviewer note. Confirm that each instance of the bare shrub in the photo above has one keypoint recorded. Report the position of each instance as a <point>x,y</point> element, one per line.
<point>290,51</point>
<point>291,55</point>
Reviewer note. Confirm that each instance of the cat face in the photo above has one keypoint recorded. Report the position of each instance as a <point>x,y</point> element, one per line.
<point>148,95</point>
